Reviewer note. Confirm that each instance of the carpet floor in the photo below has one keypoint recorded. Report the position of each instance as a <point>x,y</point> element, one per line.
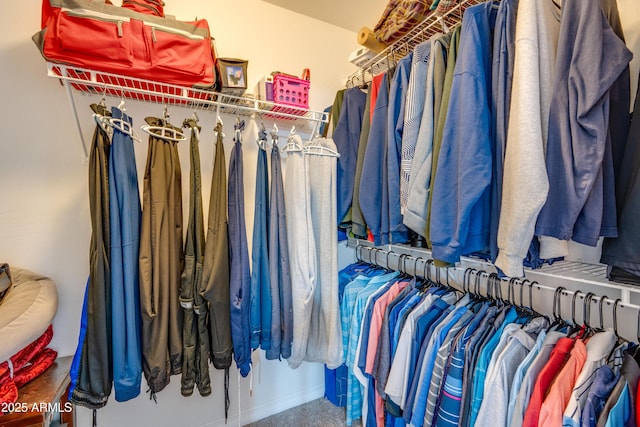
<point>317,413</point>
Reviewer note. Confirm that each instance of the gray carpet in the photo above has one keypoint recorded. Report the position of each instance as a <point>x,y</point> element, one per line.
<point>317,413</point>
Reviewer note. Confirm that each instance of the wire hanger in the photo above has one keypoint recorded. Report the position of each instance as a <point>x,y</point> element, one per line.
<point>167,131</point>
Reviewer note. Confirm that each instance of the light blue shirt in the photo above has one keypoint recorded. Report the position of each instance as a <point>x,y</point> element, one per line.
<point>621,411</point>
<point>482,365</point>
<point>354,391</point>
<point>518,377</point>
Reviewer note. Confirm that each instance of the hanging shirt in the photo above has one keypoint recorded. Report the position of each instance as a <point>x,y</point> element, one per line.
<point>398,233</point>
<point>622,412</point>
<point>412,114</point>
<point>449,60</point>
<point>428,362</point>
<point>482,364</point>
<point>603,383</point>
<point>418,186</point>
<point>460,224</point>
<point>347,305</point>
<point>346,138</point>
<point>599,347</point>
<point>504,41</point>
<point>368,412</point>
<point>528,381</point>
<point>376,322</point>
<point>386,344</point>
<point>471,354</point>
<point>448,411</point>
<point>545,378</point>
<point>358,226</point>
<point>525,183</point>
<point>335,380</point>
<point>520,373</point>
<point>630,373</point>
<point>354,393</point>
<point>560,391</point>
<point>373,182</point>
<point>417,357</point>
<point>497,389</point>
<point>440,365</point>
<point>577,139</point>
<point>399,378</point>
<point>622,252</point>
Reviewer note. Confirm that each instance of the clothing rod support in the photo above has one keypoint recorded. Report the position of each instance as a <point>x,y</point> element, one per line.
<point>72,102</point>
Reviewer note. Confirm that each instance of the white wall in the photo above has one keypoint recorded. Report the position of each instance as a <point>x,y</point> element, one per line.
<point>44,215</point>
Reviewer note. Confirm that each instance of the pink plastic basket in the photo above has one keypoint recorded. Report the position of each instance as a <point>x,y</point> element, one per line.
<point>291,91</point>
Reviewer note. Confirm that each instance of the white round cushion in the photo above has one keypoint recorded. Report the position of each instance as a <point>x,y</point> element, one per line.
<point>26,311</point>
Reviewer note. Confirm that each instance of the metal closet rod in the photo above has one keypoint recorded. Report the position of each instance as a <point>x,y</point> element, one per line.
<point>481,282</point>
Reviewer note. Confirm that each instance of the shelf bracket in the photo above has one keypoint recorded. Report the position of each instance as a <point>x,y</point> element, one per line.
<point>72,102</point>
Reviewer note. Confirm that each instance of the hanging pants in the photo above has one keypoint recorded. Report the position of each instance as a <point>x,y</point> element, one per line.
<point>260,288</point>
<point>195,334</point>
<point>161,261</point>
<point>91,373</point>
<point>215,276</point>
<point>240,277</point>
<point>125,213</point>
<point>279,274</point>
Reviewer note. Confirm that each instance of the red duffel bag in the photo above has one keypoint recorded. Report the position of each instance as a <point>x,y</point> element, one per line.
<point>103,37</point>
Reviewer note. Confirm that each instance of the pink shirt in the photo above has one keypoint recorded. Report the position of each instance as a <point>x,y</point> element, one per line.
<point>560,391</point>
<point>376,322</point>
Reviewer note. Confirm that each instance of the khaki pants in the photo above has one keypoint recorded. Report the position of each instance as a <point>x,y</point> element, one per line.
<point>216,263</point>
<point>161,262</point>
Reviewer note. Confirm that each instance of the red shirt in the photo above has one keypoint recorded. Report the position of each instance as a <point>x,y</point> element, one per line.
<point>557,359</point>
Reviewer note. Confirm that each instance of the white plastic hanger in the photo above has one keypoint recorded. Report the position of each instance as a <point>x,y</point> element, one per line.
<point>219,122</point>
<point>316,148</point>
<point>168,134</point>
<point>293,142</point>
<point>163,132</point>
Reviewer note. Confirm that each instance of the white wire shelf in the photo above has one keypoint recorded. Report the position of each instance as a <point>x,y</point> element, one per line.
<point>432,24</point>
<point>94,82</point>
